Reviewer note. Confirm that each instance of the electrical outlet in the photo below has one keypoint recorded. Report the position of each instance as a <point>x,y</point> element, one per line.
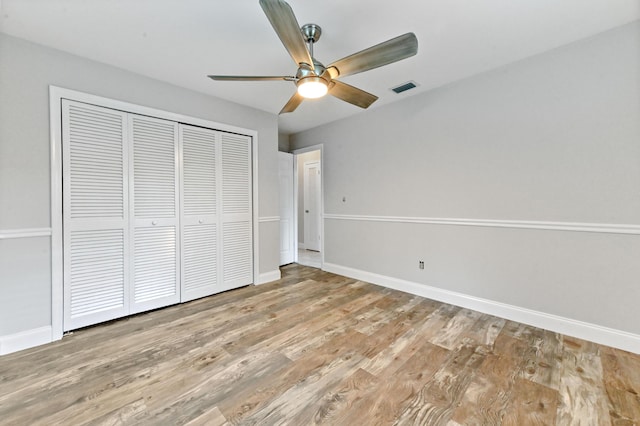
<point>421,264</point>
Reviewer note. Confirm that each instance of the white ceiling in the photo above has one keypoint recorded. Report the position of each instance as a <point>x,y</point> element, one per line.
<point>181,41</point>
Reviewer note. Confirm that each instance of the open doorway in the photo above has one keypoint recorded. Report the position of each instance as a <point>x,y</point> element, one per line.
<point>309,205</point>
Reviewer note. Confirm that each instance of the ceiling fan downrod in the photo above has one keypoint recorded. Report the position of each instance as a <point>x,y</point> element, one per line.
<point>311,33</point>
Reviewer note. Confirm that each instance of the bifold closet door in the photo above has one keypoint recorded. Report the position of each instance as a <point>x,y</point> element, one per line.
<point>154,213</point>
<point>95,214</point>
<point>236,223</point>
<point>200,193</point>
<point>217,236</point>
<point>153,188</point>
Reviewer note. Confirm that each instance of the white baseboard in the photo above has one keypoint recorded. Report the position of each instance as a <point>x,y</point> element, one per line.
<point>583,330</point>
<point>267,277</point>
<point>25,339</point>
<point>301,246</point>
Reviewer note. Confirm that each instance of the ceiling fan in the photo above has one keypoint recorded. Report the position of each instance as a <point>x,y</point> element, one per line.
<point>312,78</point>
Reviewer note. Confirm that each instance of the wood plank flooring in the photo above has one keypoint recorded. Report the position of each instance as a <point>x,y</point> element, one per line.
<point>318,348</point>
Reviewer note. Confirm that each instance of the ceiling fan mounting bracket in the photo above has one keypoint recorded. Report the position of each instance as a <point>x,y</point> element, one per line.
<point>311,32</point>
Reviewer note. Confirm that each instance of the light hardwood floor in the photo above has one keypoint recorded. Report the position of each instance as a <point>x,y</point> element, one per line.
<point>317,348</point>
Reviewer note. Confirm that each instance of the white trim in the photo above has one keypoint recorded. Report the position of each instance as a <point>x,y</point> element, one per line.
<point>60,92</point>
<point>311,148</point>
<point>6,234</point>
<point>266,219</point>
<point>57,258</point>
<point>56,94</point>
<point>296,243</point>
<point>301,246</point>
<point>268,277</point>
<point>254,205</point>
<point>607,228</point>
<point>583,330</point>
<point>25,339</point>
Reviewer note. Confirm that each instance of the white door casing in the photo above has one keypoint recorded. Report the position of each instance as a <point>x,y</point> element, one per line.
<point>287,223</point>
<point>312,203</point>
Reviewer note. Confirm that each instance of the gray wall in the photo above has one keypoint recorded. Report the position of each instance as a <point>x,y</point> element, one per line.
<point>26,71</point>
<point>555,137</point>
<point>283,142</point>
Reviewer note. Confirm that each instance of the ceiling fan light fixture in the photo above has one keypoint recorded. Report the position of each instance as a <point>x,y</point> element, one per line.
<point>312,78</point>
<point>312,87</point>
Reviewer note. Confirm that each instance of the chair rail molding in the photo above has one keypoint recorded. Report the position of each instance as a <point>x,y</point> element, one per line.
<point>265,219</point>
<point>6,234</point>
<point>605,228</point>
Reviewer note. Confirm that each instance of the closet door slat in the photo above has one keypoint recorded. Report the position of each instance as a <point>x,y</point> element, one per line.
<point>154,226</point>
<point>200,195</point>
<point>95,214</point>
<point>237,237</point>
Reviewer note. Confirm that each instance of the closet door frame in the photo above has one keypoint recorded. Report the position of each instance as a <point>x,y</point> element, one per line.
<point>56,95</point>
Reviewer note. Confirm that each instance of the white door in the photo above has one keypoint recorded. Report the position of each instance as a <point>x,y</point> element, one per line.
<point>95,214</point>
<point>141,226</point>
<point>153,193</point>
<point>236,211</point>
<point>200,190</point>
<point>287,234</point>
<point>312,214</point>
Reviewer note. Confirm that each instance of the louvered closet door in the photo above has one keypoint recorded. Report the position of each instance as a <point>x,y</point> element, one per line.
<point>200,192</point>
<point>154,212</point>
<point>237,235</point>
<point>95,210</point>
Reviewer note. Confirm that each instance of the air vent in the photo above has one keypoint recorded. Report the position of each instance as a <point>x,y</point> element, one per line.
<point>404,87</point>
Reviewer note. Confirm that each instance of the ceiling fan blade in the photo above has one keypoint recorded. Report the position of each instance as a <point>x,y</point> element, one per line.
<point>286,26</point>
<point>250,78</point>
<point>353,95</point>
<point>293,103</point>
<point>376,56</point>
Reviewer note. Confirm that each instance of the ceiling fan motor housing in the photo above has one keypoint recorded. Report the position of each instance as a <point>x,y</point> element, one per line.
<point>318,70</point>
